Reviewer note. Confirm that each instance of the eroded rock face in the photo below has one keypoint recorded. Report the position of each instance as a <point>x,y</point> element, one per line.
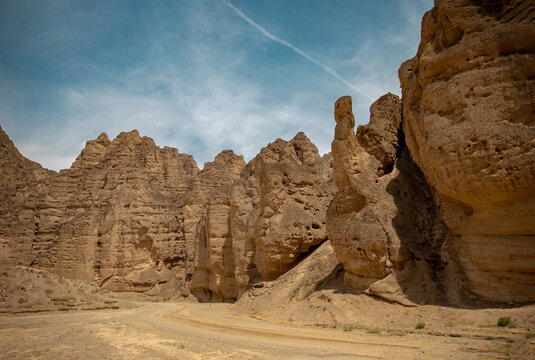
<point>131,216</point>
<point>295,188</point>
<point>113,217</point>
<point>383,222</point>
<point>21,183</point>
<point>260,226</point>
<point>213,272</point>
<point>469,122</point>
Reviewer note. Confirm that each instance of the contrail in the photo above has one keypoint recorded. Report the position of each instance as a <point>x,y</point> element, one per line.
<point>296,49</point>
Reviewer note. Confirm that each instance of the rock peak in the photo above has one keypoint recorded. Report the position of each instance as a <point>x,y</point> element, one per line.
<point>343,109</point>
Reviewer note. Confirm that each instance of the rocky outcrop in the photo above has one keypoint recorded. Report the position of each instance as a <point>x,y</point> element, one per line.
<point>469,123</point>
<point>276,298</point>
<point>113,217</point>
<point>21,183</point>
<point>260,227</point>
<point>383,222</point>
<point>213,273</point>
<point>131,216</point>
<point>28,289</point>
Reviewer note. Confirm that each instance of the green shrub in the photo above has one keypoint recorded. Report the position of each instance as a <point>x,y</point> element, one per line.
<point>348,328</point>
<point>504,321</point>
<point>530,335</point>
<point>420,325</point>
<point>373,331</point>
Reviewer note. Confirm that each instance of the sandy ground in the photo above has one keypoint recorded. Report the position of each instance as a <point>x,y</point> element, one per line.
<point>166,330</point>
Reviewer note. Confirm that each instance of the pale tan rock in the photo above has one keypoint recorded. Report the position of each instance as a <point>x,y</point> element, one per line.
<point>22,182</point>
<point>111,218</point>
<point>295,189</point>
<point>213,274</point>
<point>413,285</point>
<point>469,122</point>
<point>135,217</point>
<point>270,298</point>
<point>259,227</point>
<point>383,218</point>
<point>28,289</point>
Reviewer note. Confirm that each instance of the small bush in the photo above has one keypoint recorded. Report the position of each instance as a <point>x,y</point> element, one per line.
<point>530,335</point>
<point>373,331</point>
<point>348,328</point>
<point>48,291</point>
<point>420,325</point>
<point>309,289</point>
<point>504,321</point>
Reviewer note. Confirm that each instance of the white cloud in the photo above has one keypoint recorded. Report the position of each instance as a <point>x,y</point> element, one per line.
<point>199,101</point>
<point>218,112</point>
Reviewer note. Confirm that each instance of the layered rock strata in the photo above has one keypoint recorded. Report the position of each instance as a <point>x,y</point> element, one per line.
<point>469,123</point>
<point>113,217</point>
<point>383,222</point>
<point>259,227</point>
<point>135,217</point>
<point>21,182</point>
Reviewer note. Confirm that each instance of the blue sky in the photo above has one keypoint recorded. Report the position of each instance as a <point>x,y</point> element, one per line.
<point>199,75</point>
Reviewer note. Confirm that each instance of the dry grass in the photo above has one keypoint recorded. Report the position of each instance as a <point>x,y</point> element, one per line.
<point>458,321</point>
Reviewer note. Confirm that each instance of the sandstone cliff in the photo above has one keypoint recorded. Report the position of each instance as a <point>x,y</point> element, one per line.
<point>452,213</point>
<point>112,217</point>
<point>383,223</point>
<point>135,217</point>
<point>469,123</point>
<point>21,182</point>
<point>259,227</point>
<point>436,195</point>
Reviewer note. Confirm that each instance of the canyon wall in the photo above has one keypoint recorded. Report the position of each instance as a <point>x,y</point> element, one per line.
<point>432,201</point>
<point>382,223</point>
<point>469,123</point>
<point>454,208</point>
<point>260,226</point>
<point>135,217</point>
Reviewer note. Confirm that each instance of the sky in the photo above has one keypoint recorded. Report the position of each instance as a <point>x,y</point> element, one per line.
<point>198,75</point>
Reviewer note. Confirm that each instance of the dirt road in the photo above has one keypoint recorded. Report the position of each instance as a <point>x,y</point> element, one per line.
<point>211,331</point>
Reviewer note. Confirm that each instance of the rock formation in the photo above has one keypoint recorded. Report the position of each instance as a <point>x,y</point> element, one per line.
<point>383,223</point>
<point>469,123</point>
<point>112,217</point>
<point>135,217</point>
<point>275,298</point>
<point>461,217</point>
<point>436,195</point>
<point>260,226</point>
<point>21,180</point>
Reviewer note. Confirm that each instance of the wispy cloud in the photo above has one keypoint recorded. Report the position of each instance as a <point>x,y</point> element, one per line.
<point>196,83</point>
<point>297,50</point>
